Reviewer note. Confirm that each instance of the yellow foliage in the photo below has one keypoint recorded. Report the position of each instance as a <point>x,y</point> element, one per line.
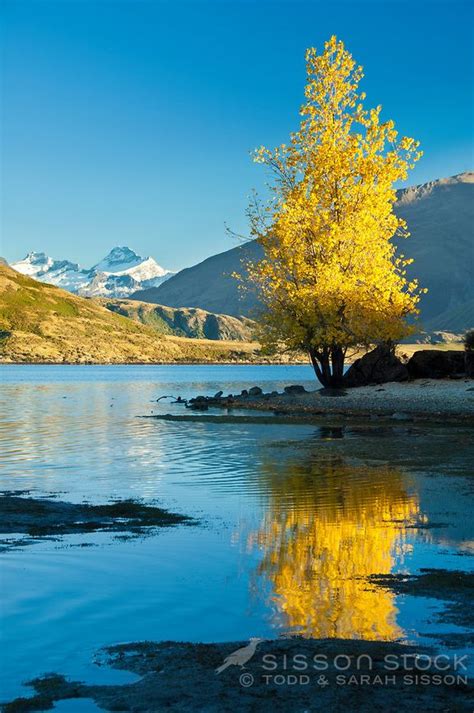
<point>330,278</point>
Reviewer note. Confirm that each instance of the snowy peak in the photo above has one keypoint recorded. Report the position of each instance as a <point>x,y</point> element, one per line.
<point>123,261</point>
<point>118,274</point>
<point>119,259</point>
<point>40,262</point>
<point>37,258</point>
<point>33,264</point>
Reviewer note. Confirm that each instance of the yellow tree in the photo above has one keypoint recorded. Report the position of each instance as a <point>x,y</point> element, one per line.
<point>330,278</point>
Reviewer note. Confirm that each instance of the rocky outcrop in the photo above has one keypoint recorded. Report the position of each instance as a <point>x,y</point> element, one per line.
<point>376,367</point>
<point>436,364</point>
<point>382,365</point>
<point>295,389</point>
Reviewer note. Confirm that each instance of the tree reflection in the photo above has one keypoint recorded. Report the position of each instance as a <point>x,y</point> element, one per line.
<point>328,526</point>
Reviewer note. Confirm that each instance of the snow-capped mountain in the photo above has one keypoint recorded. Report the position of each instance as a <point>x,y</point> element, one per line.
<point>119,274</point>
<point>61,273</point>
<point>123,261</point>
<point>34,264</point>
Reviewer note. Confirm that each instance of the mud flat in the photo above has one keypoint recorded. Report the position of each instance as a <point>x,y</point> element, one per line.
<point>42,517</point>
<point>454,588</point>
<point>183,677</point>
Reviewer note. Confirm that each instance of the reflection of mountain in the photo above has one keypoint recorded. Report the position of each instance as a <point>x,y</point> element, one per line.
<point>330,525</point>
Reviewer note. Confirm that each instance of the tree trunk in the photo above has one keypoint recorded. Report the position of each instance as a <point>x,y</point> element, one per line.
<point>316,367</point>
<point>337,359</point>
<point>328,366</point>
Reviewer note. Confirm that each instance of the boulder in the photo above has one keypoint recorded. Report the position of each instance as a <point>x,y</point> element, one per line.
<point>255,391</point>
<point>218,395</point>
<point>199,405</point>
<point>295,389</point>
<point>436,364</point>
<point>376,367</point>
<point>244,392</point>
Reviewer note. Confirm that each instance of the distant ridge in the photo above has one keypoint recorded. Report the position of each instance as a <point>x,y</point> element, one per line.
<point>209,285</point>
<point>440,217</point>
<point>183,322</point>
<point>423,190</point>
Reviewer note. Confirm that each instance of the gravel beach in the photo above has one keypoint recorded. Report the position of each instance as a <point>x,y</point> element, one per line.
<point>424,398</point>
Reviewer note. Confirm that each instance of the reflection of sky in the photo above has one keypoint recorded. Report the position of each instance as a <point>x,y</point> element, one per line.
<point>204,583</point>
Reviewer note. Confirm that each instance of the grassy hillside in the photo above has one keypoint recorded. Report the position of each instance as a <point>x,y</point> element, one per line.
<point>193,323</point>
<point>42,323</point>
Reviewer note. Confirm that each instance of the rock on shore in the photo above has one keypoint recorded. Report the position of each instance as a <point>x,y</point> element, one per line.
<point>425,398</point>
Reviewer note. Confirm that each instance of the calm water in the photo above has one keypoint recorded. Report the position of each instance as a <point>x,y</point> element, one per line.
<point>291,519</point>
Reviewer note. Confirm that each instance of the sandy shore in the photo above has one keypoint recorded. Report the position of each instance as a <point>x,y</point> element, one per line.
<point>424,398</point>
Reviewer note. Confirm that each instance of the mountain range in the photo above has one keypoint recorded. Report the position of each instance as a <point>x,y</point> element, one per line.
<point>121,273</point>
<point>440,217</point>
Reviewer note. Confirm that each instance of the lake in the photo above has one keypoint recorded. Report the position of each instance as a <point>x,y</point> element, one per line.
<point>291,520</point>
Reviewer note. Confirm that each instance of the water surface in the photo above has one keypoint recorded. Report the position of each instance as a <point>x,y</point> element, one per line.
<point>292,519</point>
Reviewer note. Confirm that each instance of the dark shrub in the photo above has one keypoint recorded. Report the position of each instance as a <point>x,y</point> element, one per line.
<point>469,340</point>
<point>469,353</point>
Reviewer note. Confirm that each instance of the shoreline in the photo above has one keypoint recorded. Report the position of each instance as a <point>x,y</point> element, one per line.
<point>155,363</point>
<point>265,675</point>
<point>422,399</point>
<point>405,349</point>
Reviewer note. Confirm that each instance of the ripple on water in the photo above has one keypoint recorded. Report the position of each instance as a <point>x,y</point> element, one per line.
<point>293,519</point>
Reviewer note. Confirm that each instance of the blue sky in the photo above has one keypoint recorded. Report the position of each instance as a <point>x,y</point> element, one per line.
<point>130,122</point>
